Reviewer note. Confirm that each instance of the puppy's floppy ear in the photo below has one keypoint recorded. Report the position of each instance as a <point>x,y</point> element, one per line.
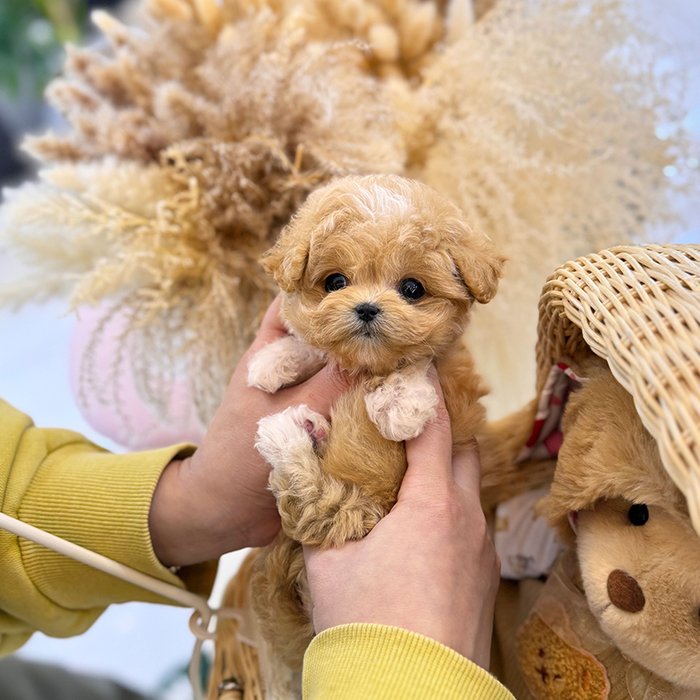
<point>286,260</point>
<point>480,267</point>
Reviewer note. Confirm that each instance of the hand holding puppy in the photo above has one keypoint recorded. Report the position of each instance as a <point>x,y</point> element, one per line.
<point>429,566</point>
<point>218,500</point>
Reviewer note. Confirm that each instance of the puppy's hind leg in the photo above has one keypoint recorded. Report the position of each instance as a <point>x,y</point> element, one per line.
<point>316,508</point>
<point>281,600</point>
<point>294,437</point>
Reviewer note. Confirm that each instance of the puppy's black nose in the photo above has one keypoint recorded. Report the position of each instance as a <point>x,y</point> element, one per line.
<point>367,311</point>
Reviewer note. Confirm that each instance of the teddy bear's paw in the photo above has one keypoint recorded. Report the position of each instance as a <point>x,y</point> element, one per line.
<point>554,667</point>
<point>289,440</point>
<point>402,405</point>
<point>282,363</point>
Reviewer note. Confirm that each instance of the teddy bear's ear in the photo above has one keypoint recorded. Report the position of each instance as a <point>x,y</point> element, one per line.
<point>480,266</point>
<point>287,260</point>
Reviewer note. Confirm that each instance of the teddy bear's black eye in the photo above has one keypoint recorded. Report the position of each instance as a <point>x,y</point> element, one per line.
<point>411,289</point>
<point>638,514</point>
<point>335,282</point>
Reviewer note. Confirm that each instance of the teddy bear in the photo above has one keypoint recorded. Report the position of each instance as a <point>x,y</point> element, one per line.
<point>619,614</point>
<point>611,610</point>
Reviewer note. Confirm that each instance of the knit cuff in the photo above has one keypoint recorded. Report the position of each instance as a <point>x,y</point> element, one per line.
<point>377,662</point>
<point>99,501</point>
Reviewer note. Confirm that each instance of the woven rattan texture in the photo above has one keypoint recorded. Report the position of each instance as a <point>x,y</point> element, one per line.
<point>639,309</point>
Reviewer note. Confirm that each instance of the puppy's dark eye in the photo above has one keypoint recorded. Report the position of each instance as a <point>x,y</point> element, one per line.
<point>638,514</point>
<point>335,282</point>
<point>411,289</point>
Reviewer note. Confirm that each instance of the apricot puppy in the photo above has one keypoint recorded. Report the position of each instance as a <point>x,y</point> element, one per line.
<point>378,275</point>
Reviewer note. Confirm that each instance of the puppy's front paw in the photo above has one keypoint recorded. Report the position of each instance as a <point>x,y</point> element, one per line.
<point>402,405</point>
<point>283,362</point>
<point>274,366</point>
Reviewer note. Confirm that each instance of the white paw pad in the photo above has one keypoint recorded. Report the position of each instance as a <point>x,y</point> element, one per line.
<point>273,367</point>
<point>294,433</point>
<point>315,425</point>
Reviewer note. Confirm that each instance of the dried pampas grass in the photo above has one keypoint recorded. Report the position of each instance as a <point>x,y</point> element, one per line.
<point>180,169</point>
<point>542,124</point>
<point>195,135</point>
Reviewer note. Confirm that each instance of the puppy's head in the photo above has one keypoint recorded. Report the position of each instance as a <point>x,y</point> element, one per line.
<point>380,271</point>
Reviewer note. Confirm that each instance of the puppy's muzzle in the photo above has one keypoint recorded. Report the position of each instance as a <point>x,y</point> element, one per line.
<point>367,312</point>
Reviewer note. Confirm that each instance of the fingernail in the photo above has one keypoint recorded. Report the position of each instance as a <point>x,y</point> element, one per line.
<point>573,521</point>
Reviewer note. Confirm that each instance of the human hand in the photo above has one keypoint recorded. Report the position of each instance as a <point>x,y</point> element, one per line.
<point>217,500</point>
<point>429,566</point>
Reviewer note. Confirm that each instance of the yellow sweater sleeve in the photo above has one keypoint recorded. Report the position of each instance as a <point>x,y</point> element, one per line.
<point>59,482</point>
<point>375,662</point>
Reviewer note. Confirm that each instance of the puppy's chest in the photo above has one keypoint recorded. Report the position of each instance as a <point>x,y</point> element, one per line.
<point>358,453</point>
<point>370,424</point>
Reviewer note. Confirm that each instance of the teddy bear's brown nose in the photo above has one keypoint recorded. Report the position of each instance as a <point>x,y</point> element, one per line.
<point>624,592</point>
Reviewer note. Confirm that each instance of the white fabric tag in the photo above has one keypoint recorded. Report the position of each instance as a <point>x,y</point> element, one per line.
<point>524,541</point>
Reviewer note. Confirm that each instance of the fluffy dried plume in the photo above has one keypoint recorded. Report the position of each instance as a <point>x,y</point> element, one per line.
<point>541,124</point>
<point>182,166</point>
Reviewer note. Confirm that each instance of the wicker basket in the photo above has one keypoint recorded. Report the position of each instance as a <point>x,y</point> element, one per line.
<point>236,668</point>
<point>639,309</point>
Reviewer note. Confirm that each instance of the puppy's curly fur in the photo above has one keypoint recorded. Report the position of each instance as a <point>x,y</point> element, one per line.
<point>378,275</point>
